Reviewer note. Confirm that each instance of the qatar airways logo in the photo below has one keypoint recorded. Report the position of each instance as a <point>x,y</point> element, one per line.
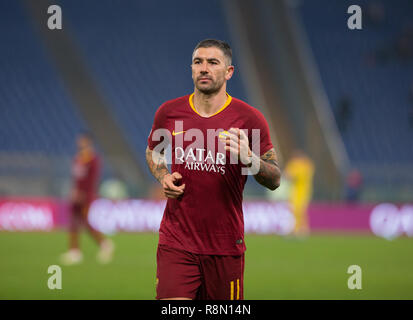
<point>200,160</point>
<point>201,153</point>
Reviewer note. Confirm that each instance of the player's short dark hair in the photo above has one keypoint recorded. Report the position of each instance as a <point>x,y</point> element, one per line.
<point>225,47</point>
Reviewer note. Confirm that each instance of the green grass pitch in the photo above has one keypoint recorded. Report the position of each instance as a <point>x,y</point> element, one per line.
<point>275,267</point>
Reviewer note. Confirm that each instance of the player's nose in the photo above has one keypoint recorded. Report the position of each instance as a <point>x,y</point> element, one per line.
<point>204,68</point>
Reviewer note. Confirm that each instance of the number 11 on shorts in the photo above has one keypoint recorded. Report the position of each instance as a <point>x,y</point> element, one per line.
<point>232,283</point>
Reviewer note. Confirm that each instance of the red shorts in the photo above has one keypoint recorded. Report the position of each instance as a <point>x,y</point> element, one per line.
<point>196,276</point>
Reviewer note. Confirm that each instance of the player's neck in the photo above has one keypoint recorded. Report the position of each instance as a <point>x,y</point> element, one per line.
<point>209,104</point>
<point>86,155</point>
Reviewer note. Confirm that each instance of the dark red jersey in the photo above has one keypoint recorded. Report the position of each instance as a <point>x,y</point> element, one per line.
<point>208,217</point>
<point>86,174</point>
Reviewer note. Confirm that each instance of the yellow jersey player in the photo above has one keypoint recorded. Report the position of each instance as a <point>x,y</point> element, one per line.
<point>300,171</point>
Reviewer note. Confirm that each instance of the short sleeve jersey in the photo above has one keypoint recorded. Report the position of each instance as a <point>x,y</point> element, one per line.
<point>208,217</point>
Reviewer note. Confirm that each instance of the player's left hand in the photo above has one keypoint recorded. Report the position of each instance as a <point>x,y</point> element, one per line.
<point>236,141</point>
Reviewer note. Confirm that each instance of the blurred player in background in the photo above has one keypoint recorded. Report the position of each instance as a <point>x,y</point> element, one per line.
<point>354,186</point>
<point>201,238</point>
<point>300,171</point>
<point>86,176</point>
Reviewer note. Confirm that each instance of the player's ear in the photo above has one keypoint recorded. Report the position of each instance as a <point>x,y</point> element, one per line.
<point>192,71</point>
<point>229,73</point>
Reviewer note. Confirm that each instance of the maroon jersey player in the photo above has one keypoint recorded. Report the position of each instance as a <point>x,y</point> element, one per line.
<point>85,176</point>
<point>214,142</point>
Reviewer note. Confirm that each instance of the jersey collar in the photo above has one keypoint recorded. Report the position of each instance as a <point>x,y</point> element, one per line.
<point>191,103</point>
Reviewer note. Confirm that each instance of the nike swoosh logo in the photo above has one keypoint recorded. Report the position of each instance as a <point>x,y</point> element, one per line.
<point>176,133</point>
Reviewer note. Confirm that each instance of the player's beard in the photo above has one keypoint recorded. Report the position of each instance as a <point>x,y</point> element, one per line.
<point>214,86</point>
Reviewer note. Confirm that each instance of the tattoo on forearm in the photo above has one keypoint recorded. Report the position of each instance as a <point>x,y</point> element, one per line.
<point>269,173</point>
<point>157,164</point>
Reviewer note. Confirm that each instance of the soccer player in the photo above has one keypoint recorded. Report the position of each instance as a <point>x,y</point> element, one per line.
<point>85,172</point>
<point>300,172</point>
<point>209,134</point>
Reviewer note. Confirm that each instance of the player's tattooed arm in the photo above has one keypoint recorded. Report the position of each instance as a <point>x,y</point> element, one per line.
<point>158,166</point>
<point>265,168</point>
<point>269,173</point>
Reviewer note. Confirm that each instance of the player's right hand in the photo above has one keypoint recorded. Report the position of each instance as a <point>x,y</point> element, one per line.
<point>169,185</point>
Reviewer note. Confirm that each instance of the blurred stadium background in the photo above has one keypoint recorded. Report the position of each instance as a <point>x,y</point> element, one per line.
<point>344,96</point>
